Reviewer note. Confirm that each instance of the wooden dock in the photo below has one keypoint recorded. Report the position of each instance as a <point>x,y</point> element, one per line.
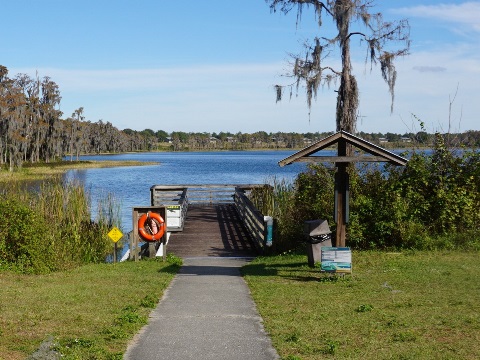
<point>214,230</point>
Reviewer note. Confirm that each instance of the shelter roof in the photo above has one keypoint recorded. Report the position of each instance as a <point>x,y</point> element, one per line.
<point>370,152</point>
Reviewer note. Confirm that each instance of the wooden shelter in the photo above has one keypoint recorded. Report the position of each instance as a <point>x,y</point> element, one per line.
<point>363,151</point>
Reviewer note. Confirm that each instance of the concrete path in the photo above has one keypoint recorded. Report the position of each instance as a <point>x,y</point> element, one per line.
<point>206,313</point>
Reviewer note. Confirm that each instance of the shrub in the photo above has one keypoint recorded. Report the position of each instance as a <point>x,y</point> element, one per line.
<point>431,203</point>
<point>25,243</point>
<point>49,227</point>
<point>433,196</point>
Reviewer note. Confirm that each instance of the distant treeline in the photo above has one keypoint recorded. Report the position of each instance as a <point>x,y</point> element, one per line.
<point>178,140</point>
<point>33,130</point>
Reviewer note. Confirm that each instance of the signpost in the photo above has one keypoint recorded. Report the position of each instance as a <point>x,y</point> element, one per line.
<point>115,234</point>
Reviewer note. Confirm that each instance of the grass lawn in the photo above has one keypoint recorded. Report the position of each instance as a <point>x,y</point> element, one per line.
<point>411,305</point>
<point>91,312</point>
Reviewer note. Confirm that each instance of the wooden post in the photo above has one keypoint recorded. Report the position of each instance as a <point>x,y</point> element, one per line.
<point>164,242</point>
<point>341,196</point>
<point>152,251</point>
<point>134,248</point>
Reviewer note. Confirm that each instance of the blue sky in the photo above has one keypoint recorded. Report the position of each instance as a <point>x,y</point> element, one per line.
<point>210,66</point>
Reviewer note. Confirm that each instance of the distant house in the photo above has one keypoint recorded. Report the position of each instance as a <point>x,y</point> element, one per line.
<point>405,139</point>
<point>382,140</point>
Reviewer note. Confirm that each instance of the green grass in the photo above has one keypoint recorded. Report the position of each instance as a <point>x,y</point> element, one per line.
<point>91,312</point>
<point>412,305</point>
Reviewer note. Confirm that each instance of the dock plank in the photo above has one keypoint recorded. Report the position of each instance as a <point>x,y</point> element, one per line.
<point>211,231</point>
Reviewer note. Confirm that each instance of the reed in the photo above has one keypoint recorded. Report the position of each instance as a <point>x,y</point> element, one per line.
<point>276,198</point>
<point>63,225</point>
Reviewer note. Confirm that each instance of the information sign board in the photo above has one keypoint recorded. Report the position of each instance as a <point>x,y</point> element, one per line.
<point>336,259</point>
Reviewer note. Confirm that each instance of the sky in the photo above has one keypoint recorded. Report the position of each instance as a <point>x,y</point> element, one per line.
<point>211,66</point>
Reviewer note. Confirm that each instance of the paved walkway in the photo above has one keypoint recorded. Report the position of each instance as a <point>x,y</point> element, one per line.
<point>206,313</point>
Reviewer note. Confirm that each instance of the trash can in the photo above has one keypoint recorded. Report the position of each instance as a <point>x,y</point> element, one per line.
<point>317,234</point>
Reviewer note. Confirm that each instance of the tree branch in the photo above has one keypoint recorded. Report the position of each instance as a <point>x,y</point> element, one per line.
<point>356,33</point>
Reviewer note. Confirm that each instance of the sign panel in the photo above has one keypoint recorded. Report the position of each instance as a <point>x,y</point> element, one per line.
<point>173,207</point>
<point>115,234</point>
<point>336,259</point>
<point>173,210</point>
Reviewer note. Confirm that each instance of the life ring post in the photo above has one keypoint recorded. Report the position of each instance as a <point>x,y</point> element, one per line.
<point>149,226</point>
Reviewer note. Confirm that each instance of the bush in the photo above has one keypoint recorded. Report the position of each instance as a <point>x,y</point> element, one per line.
<point>431,203</point>
<point>25,242</point>
<point>50,228</point>
<point>434,196</point>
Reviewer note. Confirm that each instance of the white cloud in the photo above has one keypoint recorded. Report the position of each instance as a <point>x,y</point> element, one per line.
<point>146,79</point>
<point>466,14</point>
<point>425,93</point>
<point>241,97</point>
<point>227,97</point>
<point>426,68</point>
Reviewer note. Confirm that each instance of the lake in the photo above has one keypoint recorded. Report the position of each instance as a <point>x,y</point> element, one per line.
<point>130,185</point>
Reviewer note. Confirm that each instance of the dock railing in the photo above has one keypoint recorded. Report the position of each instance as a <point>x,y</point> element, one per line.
<point>252,218</point>
<point>177,199</point>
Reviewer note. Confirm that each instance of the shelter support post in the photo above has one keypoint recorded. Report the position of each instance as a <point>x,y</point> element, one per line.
<point>341,197</point>
<point>341,204</point>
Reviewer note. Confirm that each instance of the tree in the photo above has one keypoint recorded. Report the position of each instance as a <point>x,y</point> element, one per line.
<point>50,114</point>
<point>161,135</point>
<point>75,129</point>
<point>377,36</point>
<point>148,132</point>
<point>178,138</point>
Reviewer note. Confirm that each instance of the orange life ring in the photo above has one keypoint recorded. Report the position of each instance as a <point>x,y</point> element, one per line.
<point>151,235</point>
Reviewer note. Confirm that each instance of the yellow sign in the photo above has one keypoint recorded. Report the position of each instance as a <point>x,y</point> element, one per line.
<point>115,234</point>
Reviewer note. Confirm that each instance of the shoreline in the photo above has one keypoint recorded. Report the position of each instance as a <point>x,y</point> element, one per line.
<point>44,170</point>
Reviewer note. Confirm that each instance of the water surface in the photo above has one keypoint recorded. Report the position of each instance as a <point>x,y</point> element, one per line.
<point>130,185</point>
